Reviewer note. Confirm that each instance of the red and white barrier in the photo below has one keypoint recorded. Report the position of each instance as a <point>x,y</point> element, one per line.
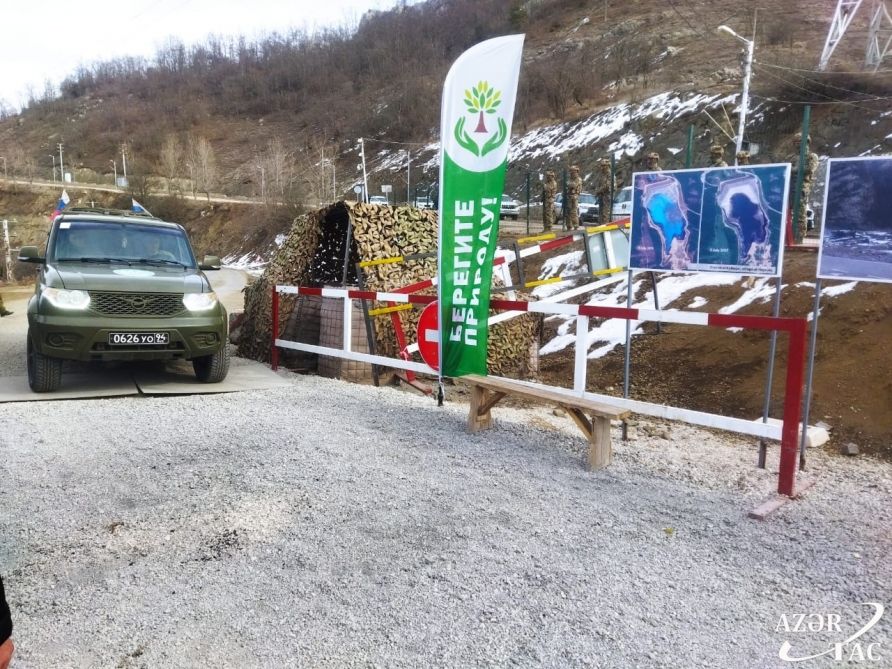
<point>787,433</point>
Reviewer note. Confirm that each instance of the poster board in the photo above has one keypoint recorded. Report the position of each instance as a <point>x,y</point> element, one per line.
<point>856,237</point>
<point>719,219</point>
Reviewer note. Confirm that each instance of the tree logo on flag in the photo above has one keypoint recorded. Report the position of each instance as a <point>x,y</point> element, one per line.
<point>481,99</point>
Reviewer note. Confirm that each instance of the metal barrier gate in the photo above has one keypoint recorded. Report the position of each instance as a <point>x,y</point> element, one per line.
<point>787,433</point>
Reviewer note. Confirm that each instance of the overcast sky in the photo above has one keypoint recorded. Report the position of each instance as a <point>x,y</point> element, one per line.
<point>48,39</point>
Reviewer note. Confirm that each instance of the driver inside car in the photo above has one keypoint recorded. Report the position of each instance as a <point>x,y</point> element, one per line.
<point>152,249</point>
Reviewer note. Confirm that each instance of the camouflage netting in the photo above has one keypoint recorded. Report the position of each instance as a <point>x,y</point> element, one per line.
<point>313,255</point>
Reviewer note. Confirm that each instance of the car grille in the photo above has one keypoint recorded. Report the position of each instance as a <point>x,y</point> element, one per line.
<point>136,304</point>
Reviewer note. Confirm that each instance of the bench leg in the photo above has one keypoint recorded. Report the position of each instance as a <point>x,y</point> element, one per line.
<point>597,431</point>
<point>479,417</point>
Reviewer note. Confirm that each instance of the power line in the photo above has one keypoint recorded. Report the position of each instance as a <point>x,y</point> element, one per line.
<point>817,82</point>
<point>685,19</point>
<point>799,69</point>
<point>829,98</point>
<point>812,71</point>
<point>766,98</point>
<point>390,141</point>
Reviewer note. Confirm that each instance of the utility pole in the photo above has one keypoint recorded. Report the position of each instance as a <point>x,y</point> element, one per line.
<point>365,177</point>
<point>124,160</point>
<point>408,177</point>
<point>53,157</point>
<point>115,167</point>
<point>9,276</point>
<point>61,164</point>
<point>747,75</point>
<point>322,178</point>
<point>5,173</point>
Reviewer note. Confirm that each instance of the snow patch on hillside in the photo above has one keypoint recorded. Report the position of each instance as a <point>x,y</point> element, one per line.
<point>554,141</point>
<point>251,263</point>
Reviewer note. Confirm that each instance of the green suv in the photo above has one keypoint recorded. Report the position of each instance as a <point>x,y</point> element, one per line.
<point>116,285</point>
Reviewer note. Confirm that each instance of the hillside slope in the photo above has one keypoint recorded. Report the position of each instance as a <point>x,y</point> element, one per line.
<point>273,111</point>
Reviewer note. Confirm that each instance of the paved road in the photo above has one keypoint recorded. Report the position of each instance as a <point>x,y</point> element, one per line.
<point>112,189</point>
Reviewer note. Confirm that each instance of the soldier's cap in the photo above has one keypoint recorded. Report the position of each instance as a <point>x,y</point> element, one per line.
<point>574,168</point>
<point>549,173</point>
<point>716,148</point>
<point>604,162</point>
<point>743,154</point>
<point>653,155</point>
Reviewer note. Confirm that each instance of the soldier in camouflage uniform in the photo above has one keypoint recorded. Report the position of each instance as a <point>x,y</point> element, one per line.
<point>652,162</point>
<point>549,190</point>
<point>808,176</point>
<point>717,156</point>
<point>3,310</point>
<point>604,189</point>
<point>743,158</point>
<point>574,188</point>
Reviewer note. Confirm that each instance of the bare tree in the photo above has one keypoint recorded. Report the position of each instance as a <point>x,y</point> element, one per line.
<point>29,166</point>
<point>204,165</point>
<point>279,168</point>
<point>170,160</point>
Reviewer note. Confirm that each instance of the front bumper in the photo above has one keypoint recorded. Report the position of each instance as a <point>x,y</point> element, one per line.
<point>84,336</point>
<point>589,215</point>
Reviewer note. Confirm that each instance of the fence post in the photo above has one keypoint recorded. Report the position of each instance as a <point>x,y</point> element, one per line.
<point>528,203</point>
<point>689,152</point>
<point>789,455</point>
<point>274,328</point>
<point>800,173</point>
<point>612,185</point>
<point>564,198</point>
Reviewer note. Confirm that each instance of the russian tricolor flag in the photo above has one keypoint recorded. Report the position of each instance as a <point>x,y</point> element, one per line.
<point>63,202</point>
<point>138,208</point>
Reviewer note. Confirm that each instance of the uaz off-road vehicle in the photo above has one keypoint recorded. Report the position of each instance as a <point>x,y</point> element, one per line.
<point>116,285</point>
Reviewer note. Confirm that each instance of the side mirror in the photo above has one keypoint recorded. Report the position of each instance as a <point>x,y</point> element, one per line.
<point>209,262</point>
<point>31,254</point>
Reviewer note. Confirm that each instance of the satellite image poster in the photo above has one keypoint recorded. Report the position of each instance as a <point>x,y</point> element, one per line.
<point>720,219</point>
<point>856,238</point>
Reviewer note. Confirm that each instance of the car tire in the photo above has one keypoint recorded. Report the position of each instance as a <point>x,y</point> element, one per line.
<point>212,368</point>
<point>44,372</point>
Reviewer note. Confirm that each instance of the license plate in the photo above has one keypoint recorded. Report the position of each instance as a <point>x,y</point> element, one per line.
<point>138,338</point>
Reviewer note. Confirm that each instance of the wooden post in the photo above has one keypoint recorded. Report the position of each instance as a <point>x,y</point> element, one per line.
<point>274,327</point>
<point>482,402</point>
<point>597,432</point>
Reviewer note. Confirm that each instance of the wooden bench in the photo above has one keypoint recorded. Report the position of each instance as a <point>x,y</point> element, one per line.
<point>486,393</point>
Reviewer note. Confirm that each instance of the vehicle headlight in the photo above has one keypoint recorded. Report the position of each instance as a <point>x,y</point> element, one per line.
<point>200,301</point>
<point>67,299</point>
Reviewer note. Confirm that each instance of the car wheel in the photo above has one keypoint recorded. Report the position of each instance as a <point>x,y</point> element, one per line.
<point>212,368</point>
<point>44,372</point>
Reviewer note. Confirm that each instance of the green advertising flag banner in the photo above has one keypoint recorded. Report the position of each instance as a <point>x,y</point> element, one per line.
<point>475,127</point>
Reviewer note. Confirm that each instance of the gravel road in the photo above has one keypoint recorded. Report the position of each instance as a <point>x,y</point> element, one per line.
<point>273,529</point>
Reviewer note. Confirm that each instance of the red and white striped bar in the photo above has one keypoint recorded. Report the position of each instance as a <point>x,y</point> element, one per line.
<point>796,327</point>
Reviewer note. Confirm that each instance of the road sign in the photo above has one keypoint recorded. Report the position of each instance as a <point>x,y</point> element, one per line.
<point>357,189</point>
<point>429,335</point>
<point>386,188</point>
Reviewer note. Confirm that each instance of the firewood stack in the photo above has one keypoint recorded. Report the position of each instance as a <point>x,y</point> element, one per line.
<point>313,254</point>
<point>289,266</point>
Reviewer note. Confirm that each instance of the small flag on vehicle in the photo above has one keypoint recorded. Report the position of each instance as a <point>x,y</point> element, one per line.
<point>63,202</point>
<point>138,208</point>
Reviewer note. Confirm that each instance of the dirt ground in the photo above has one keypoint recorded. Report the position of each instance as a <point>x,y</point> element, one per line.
<point>712,369</point>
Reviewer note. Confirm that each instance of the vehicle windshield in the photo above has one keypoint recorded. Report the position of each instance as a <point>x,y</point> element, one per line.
<point>109,242</point>
<point>587,198</point>
<point>623,196</point>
